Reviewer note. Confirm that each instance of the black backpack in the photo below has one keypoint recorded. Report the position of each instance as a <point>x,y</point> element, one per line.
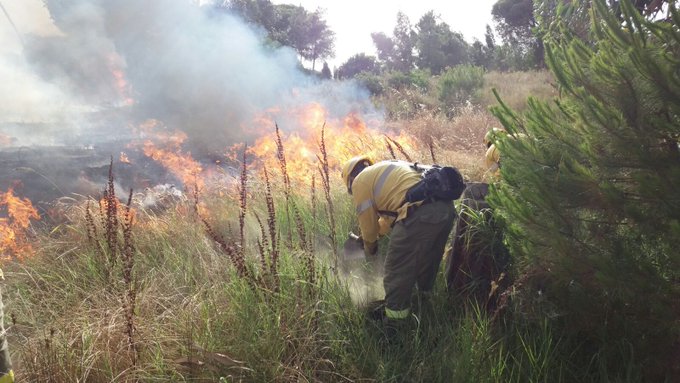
<point>441,183</point>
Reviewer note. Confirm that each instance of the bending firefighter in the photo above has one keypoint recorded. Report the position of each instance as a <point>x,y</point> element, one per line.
<point>420,229</point>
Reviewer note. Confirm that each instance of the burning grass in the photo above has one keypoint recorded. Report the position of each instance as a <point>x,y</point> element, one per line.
<point>194,316</point>
<point>15,220</point>
<point>241,281</point>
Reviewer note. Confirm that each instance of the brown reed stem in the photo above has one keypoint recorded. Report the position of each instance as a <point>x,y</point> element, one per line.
<point>305,247</point>
<point>234,254</point>
<point>430,144</point>
<point>262,245</point>
<point>390,148</point>
<point>89,224</point>
<point>324,169</point>
<point>314,202</point>
<point>129,300</point>
<point>111,218</point>
<point>300,226</point>
<point>194,194</point>
<point>401,149</point>
<point>243,199</point>
<point>281,155</point>
<point>271,221</point>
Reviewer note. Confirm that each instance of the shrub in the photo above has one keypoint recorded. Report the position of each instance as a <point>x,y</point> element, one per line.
<point>398,80</point>
<point>459,84</point>
<point>420,79</point>
<point>371,82</point>
<point>589,194</point>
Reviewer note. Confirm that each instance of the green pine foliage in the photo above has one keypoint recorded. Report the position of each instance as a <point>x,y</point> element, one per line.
<point>589,194</point>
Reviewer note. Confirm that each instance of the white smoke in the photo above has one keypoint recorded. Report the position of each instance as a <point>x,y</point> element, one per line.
<point>25,96</point>
<point>193,68</point>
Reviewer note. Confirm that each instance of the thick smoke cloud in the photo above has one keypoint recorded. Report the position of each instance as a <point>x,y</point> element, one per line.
<point>27,101</point>
<point>195,69</point>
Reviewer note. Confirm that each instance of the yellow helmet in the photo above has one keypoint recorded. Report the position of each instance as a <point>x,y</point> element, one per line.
<point>489,135</point>
<point>352,167</point>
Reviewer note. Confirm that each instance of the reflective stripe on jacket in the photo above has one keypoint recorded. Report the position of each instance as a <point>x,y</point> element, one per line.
<point>379,191</point>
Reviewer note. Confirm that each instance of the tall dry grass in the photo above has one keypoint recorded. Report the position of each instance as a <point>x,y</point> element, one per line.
<point>456,141</point>
<point>515,87</point>
<point>200,315</point>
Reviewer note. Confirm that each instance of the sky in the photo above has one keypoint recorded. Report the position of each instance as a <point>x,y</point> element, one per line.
<point>353,21</point>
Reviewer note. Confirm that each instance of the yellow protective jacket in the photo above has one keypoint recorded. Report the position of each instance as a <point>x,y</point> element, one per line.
<point>379,193</point>
<point>492,159</point>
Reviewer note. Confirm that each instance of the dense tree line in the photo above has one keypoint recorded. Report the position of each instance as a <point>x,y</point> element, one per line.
<point>432,45</point>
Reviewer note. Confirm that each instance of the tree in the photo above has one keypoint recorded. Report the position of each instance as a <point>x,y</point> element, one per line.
<point>316,41</point>
<point>396,52</point>
<point>489,38</point>
<point>589,193</point>
<point>405,39</point>
<point>485,54</point>
<point>437,46</point>
<point>516,24</point>
<point>357,64</point>
<point>326,71</point>
<point>258,12</point>
<point>386,48</point>
<point>576,14</point>
<point>515,19</point>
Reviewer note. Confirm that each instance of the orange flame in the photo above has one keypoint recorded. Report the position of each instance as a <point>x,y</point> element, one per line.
<point>166,148</point>
<point>120,207</point>
<point>122,86</point>
<point>12,228</point>
<point>344,138</point>
<point>124,158</point>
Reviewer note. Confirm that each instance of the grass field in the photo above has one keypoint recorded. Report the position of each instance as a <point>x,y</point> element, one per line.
<point>243,283</point>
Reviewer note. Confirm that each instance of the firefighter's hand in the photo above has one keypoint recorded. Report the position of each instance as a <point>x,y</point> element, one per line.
<point>370,249</point>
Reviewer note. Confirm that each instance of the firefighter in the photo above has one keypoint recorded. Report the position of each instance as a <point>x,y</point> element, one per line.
<point>6,373</point>
<point>493,155</point>
<point>477,261</point>
<point>419,230</point>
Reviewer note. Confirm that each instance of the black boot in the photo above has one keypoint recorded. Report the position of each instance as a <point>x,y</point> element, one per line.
<point>395,331</point>
<point>375,310</point>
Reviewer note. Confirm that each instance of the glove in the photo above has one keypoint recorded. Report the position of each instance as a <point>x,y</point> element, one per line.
<point>370,249</point>
<point>385,225</point>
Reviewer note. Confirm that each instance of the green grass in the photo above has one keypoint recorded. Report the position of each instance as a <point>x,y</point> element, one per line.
<point>196,320</point>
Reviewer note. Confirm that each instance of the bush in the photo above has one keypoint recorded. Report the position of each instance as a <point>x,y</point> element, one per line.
<point>372,82</point>
<point>459,84</point>
<point>420,79</point>
<point>398,80</point>
<point>589,194</point>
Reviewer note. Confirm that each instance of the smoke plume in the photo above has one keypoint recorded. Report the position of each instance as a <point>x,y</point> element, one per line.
<point>95,67</point>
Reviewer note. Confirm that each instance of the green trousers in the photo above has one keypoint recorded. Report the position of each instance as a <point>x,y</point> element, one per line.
<point>415,251</point>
